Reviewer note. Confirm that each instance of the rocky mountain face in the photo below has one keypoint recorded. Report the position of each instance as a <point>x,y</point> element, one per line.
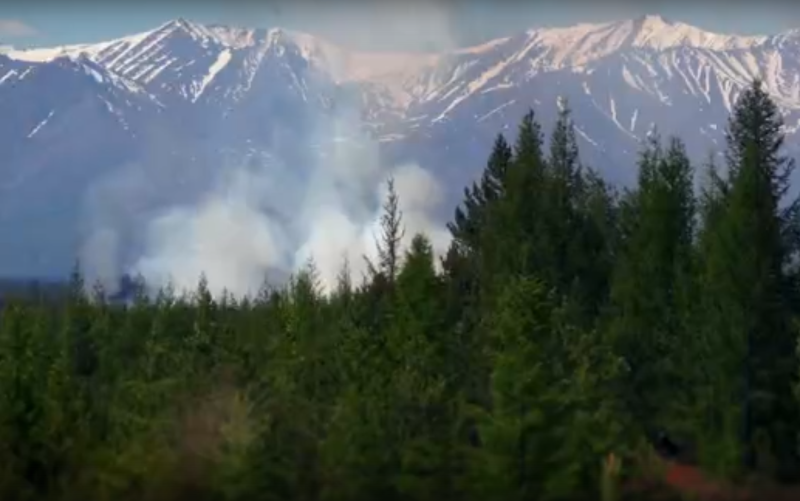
<point>115,130</point>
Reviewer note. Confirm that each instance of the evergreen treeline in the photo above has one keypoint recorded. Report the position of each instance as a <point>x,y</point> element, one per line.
<point>567,326</point>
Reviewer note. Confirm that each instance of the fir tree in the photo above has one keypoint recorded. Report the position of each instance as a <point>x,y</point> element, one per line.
<point>392,233</point>
<point>514,226</point>
<point>745,318</point>
<point>649,293</point>
<point>469,217</point>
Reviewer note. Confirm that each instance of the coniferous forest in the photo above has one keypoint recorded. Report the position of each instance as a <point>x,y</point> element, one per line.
<point>575,341</point>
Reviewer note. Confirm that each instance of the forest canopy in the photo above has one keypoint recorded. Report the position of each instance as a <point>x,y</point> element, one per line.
<point>569,326</point>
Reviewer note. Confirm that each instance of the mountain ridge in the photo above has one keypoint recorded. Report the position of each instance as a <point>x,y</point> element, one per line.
<point>403,78</point>
<point>641,32</point>
<point>168,107</point>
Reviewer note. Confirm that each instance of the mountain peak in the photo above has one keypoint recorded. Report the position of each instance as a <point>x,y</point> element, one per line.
<point>182,25</point>
<point>179,22</point>
<point>653,21</point>
<point>583,43</point>
<point>657,32</point>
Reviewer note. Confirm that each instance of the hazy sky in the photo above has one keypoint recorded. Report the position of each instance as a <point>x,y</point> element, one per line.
<point>402,24</point>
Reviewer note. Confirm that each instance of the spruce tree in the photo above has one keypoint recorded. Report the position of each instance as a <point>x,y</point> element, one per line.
<point>512,427</point>
<point>552,413</point>
<point>469,217</point>
<point>596,246</point>
<point>577,217</point>
<point>421,382</point>
<point>465,264</point>
<point>651,281</point>
<point>515,224</point>
<point>392,233</point>
<point>561,218</point>
<point>745,318</point>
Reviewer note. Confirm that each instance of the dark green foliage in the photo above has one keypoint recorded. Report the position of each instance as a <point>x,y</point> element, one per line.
<point>746,314</point>
<point>469,218</point>
<point>566,324</point>
<point>650,293</point>
<point>553,412</point>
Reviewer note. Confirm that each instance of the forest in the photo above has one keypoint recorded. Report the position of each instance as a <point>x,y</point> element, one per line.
<point>568,327</point>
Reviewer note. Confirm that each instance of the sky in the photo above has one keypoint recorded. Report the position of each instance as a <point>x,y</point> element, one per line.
<point>399,25</point>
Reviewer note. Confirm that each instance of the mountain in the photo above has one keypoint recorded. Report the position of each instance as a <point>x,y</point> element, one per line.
<point>150,119</point>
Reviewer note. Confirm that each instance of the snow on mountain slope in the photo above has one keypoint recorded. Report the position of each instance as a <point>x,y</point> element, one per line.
<point>62,124</point>
<point>184,98</point>
<point>620,78</point>
<point>33,95</point>
<point>181,60</point>
<point>184,57</point>
<point>660,50</point>
<point>580,44</point>
<point>60,110</point>
<point>180,55</point>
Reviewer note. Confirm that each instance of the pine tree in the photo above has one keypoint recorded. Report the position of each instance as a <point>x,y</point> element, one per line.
<point>553,413</point>
<point>745,318</point>
<point>23,397</point>
<point>202,340</point>
<point>561,219</point>
<point>420,381</point>
<point>578,218</point>
<point>595,245</point>
<point>469,217</point>
<point>418,284</point>
<point>589,419</point>
<point>392,233</point>
<point>466,256</point>
<point>465,266</point>
<point>514,225</point>
<point>564,160</point>
<point>650,286</point>
<point>512,427</point>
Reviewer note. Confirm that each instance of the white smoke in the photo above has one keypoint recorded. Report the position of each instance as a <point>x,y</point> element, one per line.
<point>232,238</point>
<point>254,220</point>
<point>335,233</point>
<point>225,237</point>
<point>260,217</point>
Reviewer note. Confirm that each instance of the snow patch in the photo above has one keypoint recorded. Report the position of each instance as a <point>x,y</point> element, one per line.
<point>497,110</point>
<point>633,119</point>
<point>223,59</point>
<point>94,74</point>
<point>40,125</point>
<point>8,75</point>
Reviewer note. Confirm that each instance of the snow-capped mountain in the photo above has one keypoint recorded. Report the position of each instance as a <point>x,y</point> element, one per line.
<point>170,106</point>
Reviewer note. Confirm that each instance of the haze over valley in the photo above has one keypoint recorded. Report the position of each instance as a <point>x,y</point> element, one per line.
<point>196,148</point>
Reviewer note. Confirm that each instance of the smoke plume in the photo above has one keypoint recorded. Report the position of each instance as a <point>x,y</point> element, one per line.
<point>247,219</point>
<point>252,220</point>
<point>236,238</point>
